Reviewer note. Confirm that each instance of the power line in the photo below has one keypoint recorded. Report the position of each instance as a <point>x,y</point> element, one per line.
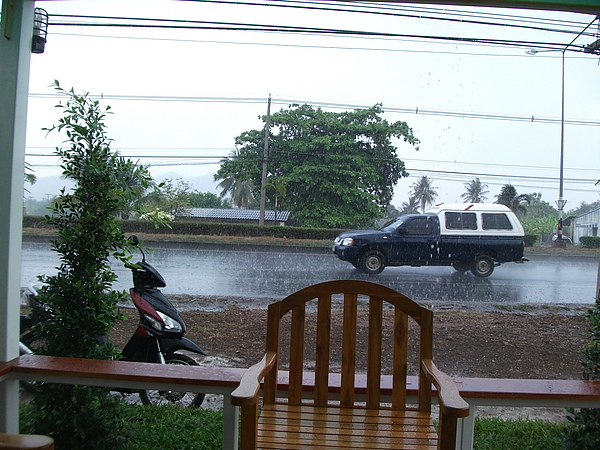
<point>392,10</point>
<point>332,105</point>
<point>338,32</point>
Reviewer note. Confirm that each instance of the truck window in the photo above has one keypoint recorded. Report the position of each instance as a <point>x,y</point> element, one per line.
<point>419,226</point>
<point>461,221</point>
<point>497,221</point>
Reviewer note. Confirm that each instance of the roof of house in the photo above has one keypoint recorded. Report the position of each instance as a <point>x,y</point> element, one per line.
<point>236,214</point>
<point>587,213</point>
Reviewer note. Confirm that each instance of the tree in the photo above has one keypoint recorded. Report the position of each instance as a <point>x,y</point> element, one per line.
<point>410,207</point>
<point>137,187</point>
<point>339,168</point>
<point>240,191</point>
<point>423,192</point>
<point>79,302</point>
<point>275,192</point>
<point>175,198</point>
<point>584,207</point>
<point>540,208</point>
<point>509,197</point>
<point>475,191</point>
<point>208,200</point>
<point>29,175</point>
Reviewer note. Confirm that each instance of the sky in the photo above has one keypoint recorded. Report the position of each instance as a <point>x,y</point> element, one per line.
<point>179,97</point>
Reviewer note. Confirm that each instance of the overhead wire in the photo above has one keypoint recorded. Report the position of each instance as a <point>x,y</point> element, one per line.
<point>333,105</point>
<point>222,26</point>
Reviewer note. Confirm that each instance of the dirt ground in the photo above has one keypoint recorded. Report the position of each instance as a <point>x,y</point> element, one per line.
<point>526,342</point>
<point>539,343</point>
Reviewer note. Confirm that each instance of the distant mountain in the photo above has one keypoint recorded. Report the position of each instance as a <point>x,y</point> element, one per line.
<point>48,187</point>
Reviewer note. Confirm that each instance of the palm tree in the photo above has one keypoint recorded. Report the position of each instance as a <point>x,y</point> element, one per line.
<point>475,191</point>
<point>277,186</point>
<point>239,190</point>
<point>411,206</point>
<point>424,192</point>
<point>509,197</point>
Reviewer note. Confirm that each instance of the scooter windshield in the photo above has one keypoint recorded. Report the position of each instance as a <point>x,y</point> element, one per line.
<point>147,276</point>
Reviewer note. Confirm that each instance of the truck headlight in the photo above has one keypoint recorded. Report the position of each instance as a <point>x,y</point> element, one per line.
<point>347,241</point>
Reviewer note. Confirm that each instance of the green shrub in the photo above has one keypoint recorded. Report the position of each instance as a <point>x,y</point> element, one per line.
<point>198,228</point>
<point>583,431</point>
<point>590,241</point>
<point>531,240</point>
<point>81,304</point>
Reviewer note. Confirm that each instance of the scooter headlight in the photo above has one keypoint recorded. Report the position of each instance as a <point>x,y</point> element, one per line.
<point>170,323</point>
<point>156,324</point>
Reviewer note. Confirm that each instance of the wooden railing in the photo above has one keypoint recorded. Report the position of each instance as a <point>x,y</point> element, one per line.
<point>223,380</point>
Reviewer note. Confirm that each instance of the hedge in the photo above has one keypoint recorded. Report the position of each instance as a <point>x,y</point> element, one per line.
<point>530,240</point>
<point>192,227</point>
<point>590,241</point>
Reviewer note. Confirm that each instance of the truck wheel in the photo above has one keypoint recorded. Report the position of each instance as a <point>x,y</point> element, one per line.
<point>373,262</point>
<point>483,266</point>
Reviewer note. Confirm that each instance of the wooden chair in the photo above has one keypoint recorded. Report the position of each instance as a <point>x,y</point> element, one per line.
<point>348,421</point>
<point>25,441</point>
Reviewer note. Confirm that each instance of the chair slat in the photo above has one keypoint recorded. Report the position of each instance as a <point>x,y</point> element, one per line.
<point>426,352</point>
<point>273,321</point>
<point>374,353</point>
<point>400,359</point>
<point>323,350</point>
<point>297,353</point>
<point>348,349</point>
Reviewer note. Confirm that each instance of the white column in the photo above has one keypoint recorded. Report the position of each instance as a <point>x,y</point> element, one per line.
<point>15,52</point>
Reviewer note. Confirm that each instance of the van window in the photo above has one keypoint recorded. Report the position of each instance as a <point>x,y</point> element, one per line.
<point>497,221</point>
<point>419,226</point>
<point>461,221</point>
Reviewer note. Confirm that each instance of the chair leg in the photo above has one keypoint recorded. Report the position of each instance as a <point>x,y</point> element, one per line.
<point>249,431</point>
<point>447,432</point>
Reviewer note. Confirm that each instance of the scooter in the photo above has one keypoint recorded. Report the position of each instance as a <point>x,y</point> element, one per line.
<point>157,339</point>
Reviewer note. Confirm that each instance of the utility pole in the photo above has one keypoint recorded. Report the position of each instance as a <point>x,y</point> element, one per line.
<point>263,181</point>
<point>561,202</point>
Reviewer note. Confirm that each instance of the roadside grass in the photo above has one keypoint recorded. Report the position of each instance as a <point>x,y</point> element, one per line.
<point>170,427</point>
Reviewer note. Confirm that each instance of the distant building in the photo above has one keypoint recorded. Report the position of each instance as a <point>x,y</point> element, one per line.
<point>586,225</point>
<point>238,215</point>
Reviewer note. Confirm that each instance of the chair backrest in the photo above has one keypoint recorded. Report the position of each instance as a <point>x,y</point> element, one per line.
<point>356,296</point>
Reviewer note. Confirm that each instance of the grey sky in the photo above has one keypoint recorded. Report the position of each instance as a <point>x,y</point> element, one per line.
<point>409,76</point>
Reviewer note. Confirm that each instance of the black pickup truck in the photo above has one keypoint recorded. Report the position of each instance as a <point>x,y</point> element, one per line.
<point>474,237</point>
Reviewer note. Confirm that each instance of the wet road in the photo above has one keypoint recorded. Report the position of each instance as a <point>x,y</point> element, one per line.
<point>223,271</point>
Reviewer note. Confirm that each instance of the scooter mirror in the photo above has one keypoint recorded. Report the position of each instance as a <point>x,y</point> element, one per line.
<point>134,240</point>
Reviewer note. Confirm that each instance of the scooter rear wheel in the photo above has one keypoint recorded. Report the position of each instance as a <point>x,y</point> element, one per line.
<point>184,399</point>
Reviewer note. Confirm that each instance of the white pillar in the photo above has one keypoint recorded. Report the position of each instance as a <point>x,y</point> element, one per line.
<point>15,52</point>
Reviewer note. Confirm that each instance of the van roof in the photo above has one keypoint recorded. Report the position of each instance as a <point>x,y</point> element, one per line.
<point>496,207</point>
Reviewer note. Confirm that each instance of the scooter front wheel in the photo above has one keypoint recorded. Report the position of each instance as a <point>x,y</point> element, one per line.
<point>184,399</point>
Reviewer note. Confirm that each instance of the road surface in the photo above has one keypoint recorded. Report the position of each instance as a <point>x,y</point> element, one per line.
<point>229,271</point>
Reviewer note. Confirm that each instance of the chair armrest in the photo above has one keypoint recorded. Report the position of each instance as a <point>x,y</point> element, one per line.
<point>247,391</point>
<point>451,403</point>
